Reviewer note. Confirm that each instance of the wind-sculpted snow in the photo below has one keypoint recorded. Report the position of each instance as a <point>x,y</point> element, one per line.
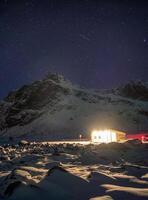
<point>73,171</point>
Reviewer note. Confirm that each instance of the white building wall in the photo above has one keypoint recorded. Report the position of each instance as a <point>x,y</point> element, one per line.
<point>104,136</point>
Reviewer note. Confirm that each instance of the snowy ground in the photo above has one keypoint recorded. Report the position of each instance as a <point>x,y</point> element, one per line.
<point>74,171</point>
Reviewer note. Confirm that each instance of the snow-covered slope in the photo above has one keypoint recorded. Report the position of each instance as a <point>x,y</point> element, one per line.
<point>74,171</point>
<point>54,108</point>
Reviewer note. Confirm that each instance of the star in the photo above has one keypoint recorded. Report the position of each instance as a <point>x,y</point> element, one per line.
<point>145,40</point>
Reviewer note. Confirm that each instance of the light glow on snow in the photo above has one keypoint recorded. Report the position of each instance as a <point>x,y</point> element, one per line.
<point>103,136</point>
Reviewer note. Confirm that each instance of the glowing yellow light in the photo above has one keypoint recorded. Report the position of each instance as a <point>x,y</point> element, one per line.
<point>103,136</point>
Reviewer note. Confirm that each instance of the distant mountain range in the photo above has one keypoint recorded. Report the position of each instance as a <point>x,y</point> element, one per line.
<point>54,108</point>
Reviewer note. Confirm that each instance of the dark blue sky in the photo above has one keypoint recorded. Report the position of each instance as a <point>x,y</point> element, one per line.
<point>93,43</point>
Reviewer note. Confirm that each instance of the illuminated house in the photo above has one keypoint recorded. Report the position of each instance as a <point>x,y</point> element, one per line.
<point>106,136</point>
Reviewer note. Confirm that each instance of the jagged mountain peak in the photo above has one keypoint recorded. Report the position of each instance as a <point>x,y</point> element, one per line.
<point>134,90</point>
<point>55,77</point>
<point>54,107</point>
<point>48,86</point>
<point>28,102</point>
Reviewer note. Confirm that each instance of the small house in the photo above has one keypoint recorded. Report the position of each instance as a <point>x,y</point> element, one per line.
<point>106,136</point>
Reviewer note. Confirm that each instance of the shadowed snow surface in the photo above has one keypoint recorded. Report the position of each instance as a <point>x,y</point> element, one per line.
<point>65,171</point>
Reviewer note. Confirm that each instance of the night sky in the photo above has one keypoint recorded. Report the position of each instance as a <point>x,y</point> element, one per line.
<point>94,43</point>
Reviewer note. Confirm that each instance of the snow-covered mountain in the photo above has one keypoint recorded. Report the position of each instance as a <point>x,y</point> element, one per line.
<point>54,108</point>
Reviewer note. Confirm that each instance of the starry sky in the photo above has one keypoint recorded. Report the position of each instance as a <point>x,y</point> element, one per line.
<point>94,43</point>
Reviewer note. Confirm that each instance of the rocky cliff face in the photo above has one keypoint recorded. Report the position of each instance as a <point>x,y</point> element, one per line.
<point>54,108</point>
<point>135,90</point>
<point>26,104</point>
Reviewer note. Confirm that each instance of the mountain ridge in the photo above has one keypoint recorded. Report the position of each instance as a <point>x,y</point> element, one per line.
<point>55,108</point>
